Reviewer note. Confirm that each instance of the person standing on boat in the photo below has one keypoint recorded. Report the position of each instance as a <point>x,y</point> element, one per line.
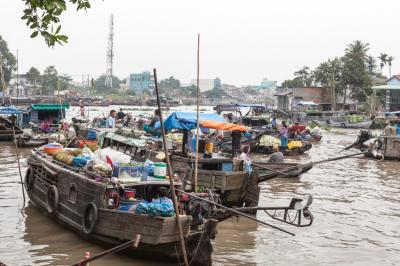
<point>82,111</point>
<point>276,156</point>
<point>120,114</point>
<point>245,157</point>
<point>283,133</point>
<point>111,119</point>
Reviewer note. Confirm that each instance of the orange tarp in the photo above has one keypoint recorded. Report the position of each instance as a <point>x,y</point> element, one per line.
<point>222,125</point>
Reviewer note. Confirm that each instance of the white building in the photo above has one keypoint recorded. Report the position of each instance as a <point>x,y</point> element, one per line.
<point>204,84</point>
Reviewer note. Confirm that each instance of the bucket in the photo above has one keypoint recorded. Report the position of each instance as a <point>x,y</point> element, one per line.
<point>129,193</point>
<point>209,147</point>
<point>160,170</point>
<point>125,205</point>
<point>82,143</point>
<point>52,148</point>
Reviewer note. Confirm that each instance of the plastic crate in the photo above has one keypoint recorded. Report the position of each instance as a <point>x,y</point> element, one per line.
<point>133,170</point>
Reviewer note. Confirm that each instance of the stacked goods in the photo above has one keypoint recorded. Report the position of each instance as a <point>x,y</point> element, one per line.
<point>64,157</point>
<point>294,144</point>
<point>356,118</point>
<point>270,141</point>
<point>103,170</point>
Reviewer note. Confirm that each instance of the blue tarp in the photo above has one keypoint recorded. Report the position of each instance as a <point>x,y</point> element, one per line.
<point>186,120</point>
<point>9,110</point>
<point>306,103</point>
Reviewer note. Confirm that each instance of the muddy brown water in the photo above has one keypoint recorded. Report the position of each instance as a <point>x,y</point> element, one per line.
<point>356,209</point>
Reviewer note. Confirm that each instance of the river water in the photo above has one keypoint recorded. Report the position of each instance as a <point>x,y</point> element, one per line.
<point>356,209</point>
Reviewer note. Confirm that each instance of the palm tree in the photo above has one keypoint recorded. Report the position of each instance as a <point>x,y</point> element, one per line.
<point>389,62</point>
<point>357,48</point>
<point>371,64</point>
<point>383,59</point>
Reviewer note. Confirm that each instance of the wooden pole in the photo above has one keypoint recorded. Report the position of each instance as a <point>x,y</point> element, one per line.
<point>133,243</point>
<point>2,80</point>
<point>171,182</point>
<point>196,161</point>
<point>19,164</point>
<point>235,211</point>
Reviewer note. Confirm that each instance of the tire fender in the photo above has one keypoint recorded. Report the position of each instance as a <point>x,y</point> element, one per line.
<point>52,199</point>
<point>29,179</point>
<point>89,218</point>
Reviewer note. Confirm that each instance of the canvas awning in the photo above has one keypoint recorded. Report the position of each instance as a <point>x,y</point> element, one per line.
<point>387,87</point>
<point>188,121</point>
<point>10,110</point>
<point>306,103</point>
<point>49,107</point>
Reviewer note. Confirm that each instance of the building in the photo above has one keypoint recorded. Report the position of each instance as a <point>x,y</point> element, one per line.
<point>207,84</point>
<point>138,82</point>
<point>217,84</point>
<point>289,98</point>
<point>268,84</point>
<point>392,87</point>
<point>21,87</point>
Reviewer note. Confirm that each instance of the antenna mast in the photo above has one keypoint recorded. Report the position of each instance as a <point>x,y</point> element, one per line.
<point>110,54</point>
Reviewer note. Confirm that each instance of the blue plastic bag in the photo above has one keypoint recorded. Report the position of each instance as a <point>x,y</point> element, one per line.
<point>80,161</point>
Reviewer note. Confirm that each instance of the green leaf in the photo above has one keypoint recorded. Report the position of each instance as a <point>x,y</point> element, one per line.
<point>34,34</point>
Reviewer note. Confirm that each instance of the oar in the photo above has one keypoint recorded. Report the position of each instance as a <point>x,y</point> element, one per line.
<point>269,169</point>
<point>338,158</point>
<point>235,211</point>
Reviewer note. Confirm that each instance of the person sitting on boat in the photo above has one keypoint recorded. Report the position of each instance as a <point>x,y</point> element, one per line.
<point>45,127</point>
<point>128,120</point>
<point>276,156</point>
<point>110,123</point>
<point>150,127</point>
<point>245,157</point>
<point>273,122</point>
<point>283,133</point>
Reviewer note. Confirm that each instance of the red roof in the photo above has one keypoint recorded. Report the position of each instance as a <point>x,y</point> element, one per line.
<point>395,77</point>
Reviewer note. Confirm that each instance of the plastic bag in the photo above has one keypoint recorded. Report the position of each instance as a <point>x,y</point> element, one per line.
<point>80,161</point>
<point>115,156</point>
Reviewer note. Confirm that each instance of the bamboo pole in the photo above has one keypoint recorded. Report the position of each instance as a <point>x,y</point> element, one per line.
<point>196,162</point>
<point>171,182</point>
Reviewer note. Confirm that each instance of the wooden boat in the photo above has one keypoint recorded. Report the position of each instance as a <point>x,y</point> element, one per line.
<point>234,186</point>
<point>384,147</point>
<point>34,141</point>
<point>6,129</point>
<point>280,170</point>
<point>75,199</point>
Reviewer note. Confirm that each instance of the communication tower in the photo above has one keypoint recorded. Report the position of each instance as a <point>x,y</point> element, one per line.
<point>110,54</point>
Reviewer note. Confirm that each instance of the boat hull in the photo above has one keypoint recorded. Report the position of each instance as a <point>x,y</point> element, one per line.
<point>159,235</point>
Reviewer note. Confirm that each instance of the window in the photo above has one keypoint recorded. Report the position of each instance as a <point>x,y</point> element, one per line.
<point>73,193</point>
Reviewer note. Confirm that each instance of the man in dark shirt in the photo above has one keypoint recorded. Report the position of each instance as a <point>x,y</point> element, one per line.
<point>156,118</point>
<point>120,114</point>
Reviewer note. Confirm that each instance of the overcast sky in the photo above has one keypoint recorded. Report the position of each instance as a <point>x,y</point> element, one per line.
<point>242,42</point>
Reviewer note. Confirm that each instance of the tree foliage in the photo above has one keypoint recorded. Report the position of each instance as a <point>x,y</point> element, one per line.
<point>355,71</point>
<point>33,75</point>
<point>49,80</point>
<point>101,83</point>
<point>43,17</point>
<point>8,60</point>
